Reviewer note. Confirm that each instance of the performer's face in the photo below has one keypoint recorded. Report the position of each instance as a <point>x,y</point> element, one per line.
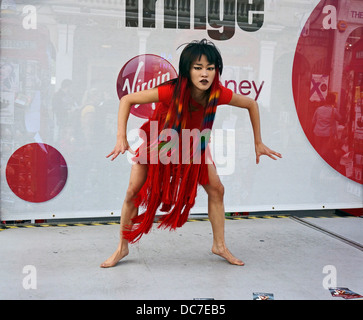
<point>202,73</point>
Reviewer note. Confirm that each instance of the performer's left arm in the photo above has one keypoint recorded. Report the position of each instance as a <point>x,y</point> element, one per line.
<point>251,105</point>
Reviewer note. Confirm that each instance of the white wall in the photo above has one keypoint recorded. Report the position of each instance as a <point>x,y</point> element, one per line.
<point>90,43</point>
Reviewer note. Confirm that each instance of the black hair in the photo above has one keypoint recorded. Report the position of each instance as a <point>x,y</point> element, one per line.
<point>193,51</point>
<point>176,116</point>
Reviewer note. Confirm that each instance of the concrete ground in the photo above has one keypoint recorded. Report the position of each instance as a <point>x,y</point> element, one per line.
<point>293,258</point>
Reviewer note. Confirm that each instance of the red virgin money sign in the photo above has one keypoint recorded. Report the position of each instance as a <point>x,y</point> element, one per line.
<point>143,72</point>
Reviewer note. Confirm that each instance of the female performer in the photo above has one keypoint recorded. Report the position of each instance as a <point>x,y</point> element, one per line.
<point>168,171</point>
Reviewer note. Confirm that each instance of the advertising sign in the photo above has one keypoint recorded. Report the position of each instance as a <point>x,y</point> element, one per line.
<point>65,65</point>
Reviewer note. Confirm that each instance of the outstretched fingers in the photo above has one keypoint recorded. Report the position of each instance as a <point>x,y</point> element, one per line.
<point>116,152</point>
<point>273,154</point>
<point>263,150</point>
<point>131,151</point>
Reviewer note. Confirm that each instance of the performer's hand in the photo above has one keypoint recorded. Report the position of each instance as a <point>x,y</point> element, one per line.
<point>122,146</point>
<point>261,150</point>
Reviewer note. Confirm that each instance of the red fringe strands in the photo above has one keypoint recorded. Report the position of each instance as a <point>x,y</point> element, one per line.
<point>172,187</point>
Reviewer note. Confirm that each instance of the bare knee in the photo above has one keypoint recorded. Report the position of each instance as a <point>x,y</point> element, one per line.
<point>215,191</point>
<point>131,193</point>
<point>220,190</point>
<point>137,179</point>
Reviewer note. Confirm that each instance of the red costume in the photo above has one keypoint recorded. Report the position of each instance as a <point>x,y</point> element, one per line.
<point>173,186</point>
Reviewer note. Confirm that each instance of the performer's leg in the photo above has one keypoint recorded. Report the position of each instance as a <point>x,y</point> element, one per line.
<point>128,211</point>
<point>215,191</point>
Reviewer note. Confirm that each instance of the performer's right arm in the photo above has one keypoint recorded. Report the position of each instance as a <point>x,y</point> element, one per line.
<point>141,97</point>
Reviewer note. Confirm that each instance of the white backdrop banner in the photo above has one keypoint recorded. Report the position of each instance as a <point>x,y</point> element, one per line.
<point>64,65</point>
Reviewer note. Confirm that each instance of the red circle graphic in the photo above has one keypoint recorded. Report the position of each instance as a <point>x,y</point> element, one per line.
<point>36,172</point>
<point>143,72</point>
<point>327,81</point>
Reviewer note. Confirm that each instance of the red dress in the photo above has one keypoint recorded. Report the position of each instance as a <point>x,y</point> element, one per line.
<point>170,187</point>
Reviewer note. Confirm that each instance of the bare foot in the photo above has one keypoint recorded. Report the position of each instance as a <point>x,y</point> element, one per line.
<point>115,258</point>
<point>226,254</point>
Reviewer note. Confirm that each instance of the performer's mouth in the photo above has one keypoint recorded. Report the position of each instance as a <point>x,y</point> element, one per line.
<point>204,81</point>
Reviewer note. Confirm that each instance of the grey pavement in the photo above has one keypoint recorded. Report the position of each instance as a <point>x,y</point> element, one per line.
<point>282,256</point>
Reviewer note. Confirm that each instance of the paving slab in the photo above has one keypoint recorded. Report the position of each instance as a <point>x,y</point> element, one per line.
<point>352,230</point>
<point>282,257</point>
